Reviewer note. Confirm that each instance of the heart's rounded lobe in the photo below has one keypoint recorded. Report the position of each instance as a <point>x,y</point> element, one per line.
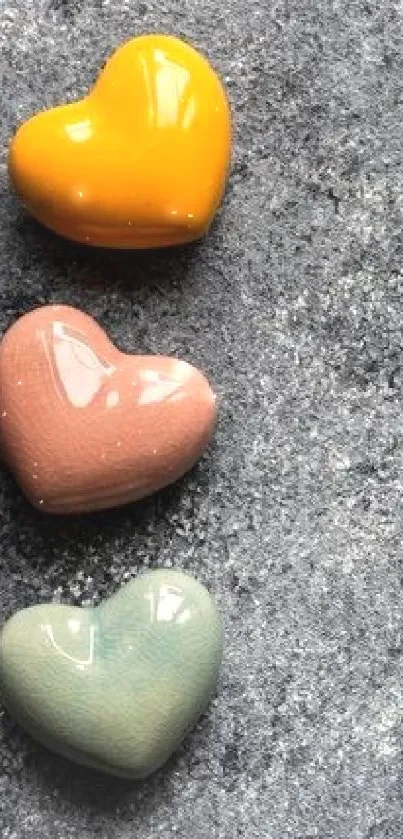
<point>140,162</point>
<point>84,426</point>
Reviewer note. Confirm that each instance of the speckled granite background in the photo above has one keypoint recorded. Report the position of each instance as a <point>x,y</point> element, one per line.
<point>294,518</point>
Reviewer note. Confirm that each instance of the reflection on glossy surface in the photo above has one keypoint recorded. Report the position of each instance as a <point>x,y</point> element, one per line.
<point>85,426</point>
<point>116,687</point>
<point>77,367</point>
<point>81,373</point>
<point>141,161</point>
<point>169,97</point>
<point>74,626</point>
<point>80,132</point>
<point>166,604</point>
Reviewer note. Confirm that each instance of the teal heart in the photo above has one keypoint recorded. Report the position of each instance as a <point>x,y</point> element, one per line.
<point>118,686</point>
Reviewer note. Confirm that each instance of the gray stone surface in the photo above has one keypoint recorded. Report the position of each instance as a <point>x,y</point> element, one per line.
<point>292,305</point>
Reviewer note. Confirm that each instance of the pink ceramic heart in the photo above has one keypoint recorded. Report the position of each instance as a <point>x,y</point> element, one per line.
<point>84,426</point>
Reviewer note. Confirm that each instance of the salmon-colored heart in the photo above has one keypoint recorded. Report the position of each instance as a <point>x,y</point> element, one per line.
<point>140,162</point>
<point>84,426</point>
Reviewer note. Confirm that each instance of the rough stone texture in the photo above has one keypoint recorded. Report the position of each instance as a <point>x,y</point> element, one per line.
<point>294,518</point>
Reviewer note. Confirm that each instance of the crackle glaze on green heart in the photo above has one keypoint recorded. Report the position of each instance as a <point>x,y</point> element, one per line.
<point>115,687</point>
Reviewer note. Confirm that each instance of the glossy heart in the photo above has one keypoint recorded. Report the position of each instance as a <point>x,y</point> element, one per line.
<point>116,687</point>
<point>141,162</point>
<point>84,426</point>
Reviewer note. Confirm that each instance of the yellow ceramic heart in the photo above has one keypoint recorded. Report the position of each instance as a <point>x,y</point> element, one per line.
<point>141,161</point>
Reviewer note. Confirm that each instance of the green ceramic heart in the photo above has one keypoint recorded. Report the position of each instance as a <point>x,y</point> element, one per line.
<point>116,687</point>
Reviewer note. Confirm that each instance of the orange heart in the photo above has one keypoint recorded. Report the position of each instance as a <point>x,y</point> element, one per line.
<point>84,426</point>
<point>141,162</point>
